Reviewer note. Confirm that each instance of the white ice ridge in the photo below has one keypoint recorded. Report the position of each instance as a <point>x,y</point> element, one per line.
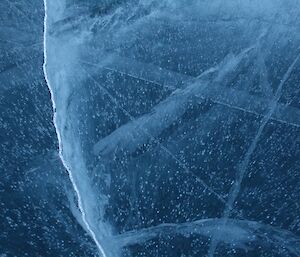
<point>147,128</point>
<point>78,195</point>
<point>146,135</point>
<point>243,166</point>
<point>137,132</point>
<point>230,97</point>
<point>235,232</point>
<point>239,233</point>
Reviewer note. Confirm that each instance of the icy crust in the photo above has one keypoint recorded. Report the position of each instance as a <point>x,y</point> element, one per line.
<point>127,77</point>
<point>59,67</point>
<point>241,234</point>
<point>264,10</point>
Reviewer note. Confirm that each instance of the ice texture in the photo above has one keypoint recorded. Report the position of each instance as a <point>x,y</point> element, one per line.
<point>178,123</point>
<point>35,191</point>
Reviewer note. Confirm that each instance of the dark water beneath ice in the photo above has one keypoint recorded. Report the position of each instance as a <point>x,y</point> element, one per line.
<point>165,162</point>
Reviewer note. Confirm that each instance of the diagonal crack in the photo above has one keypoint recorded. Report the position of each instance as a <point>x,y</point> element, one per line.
<point>143,132</point>
<point>243,166</point>
<point>237,232</point>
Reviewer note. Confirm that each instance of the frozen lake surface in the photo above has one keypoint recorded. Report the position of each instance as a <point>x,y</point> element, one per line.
<point>175,132</point>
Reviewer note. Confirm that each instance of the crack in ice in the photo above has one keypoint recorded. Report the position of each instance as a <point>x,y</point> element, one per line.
<point>216,228</point>
<point>206,187</point>
<point>242,167</point>
<point>78,195</point>
<point>229,97</point>
<point>234,232</point>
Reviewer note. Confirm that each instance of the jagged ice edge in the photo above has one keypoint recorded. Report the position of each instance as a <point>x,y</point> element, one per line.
<point>79,199</point>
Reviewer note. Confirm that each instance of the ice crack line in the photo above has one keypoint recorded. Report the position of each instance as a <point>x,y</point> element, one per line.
<point>165,149</point>
<point>242,167</point>
<point>75,187</point>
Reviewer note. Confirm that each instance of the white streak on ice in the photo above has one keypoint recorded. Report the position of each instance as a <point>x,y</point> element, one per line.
<point>240,233</point>
<point>79,199</point>
<point>137,130</point>
<point>243,166</point>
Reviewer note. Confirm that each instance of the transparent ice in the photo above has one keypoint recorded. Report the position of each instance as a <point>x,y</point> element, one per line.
<point>178,123</point>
